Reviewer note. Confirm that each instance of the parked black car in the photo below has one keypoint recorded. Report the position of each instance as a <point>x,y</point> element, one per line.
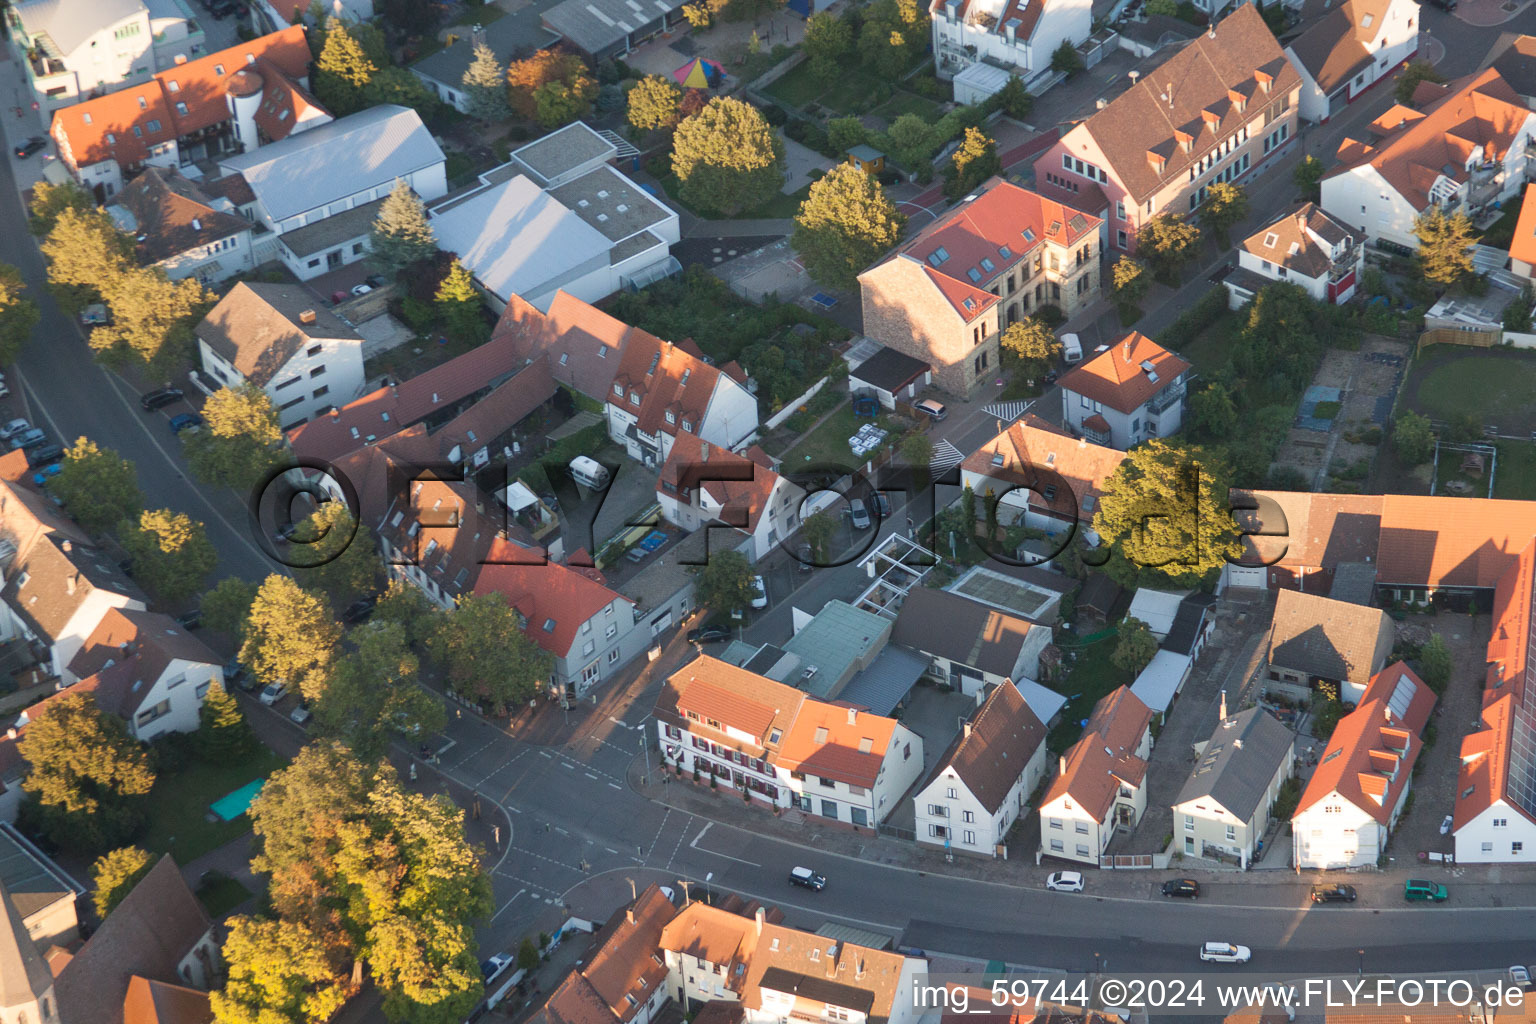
<point>1333,894</point>
<point>31,146</point>
<point>708,634</point>
<point>160,397</point>
<point>190,620</point>
<point>46,455</point>
<point>1186,887</point>
<point>359,610</point>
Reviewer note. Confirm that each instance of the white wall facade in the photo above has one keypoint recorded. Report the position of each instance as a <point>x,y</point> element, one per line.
<point>1062,20</point>
<point>175,700</point>
<point>327,372</point>
<point>1334,833</point>
<point>430,182</point>
<point>604,644</point>
<point>1197,823</point>
<point>309,267</point>
<point>1069,832</point>
<point>1499,835</point>
<point>731,416</point>
<point>1160,416</point>
<point>968,826</point>
<point>113,56</point>
<point>212,263</point>
<point>1362,198</point>
<point>1394,40</point>
<point>856,805</point>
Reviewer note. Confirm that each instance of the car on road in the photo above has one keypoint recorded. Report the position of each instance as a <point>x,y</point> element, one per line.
<point>359,610</point>
<point>493,968</point>
<point>44,472</point>
<point>807,879</point>
<point>185,421</point>
<point>805,557</point>
<point>1445,825</point>
<point>31,146</point>
<point>759,593</point>
<point>932,408</point>
<point>235,673</point>
<point>1421,889</point>
<point>883,504</point>
<point>286,531</point>
<point>376,280</point>
<point>1333,894</point>
<point>1186,887</point>
<point>1225,953</point>
<point>1520,975</point>
<point>47,455</point>
<point>273,692</point>
<point>190,620</point>
<point>708,634</point>
<point>301,714</point>
<point>13,428</point>
<point>32,437</point>
<point>858,514</point>
<point>1065,881</point>
<point>160,397</point>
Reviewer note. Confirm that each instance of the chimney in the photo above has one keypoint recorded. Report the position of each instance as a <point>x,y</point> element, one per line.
<point>335,413</point>
<point>67,547</point>
<point>1127,351</point>
<point>307,317</point>
<point>1223,705</point>
<point>1387,710</point>
<point>69,583</point>
<point>704,450</point>
<point>967,730</point>
<point>760,915</point>
<point>629,915</point>
<point>853,716</point>
<point>11,733</point>
<point>1061,765</point>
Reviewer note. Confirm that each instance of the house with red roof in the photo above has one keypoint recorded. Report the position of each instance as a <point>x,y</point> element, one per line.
<point>945,294</point>
<point>273,15</point>
<point>661,391</point>
<point>701,485</point>
<point>1131,392</point>
<point>184,113</point>
<point>1361,782</point>
<point>1522,248</point>
<point>1099,785</point>
<point>1037,471</point>
<point>974,40</point>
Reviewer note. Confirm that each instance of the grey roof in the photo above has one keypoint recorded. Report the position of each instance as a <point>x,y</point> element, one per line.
<point>611,203</point>
<point>1332,639</point>
<point>71,22</point>
<point>888,369</point>
<point>33,883</point>
<point>937,622</point>
<point>1186,623</point>
<point>259,326</point>
<point>1354,582</point>
<point>666,573</point>
<point>993,748</point>
<point>839,637</point>
<point>55,577</point>
<point>321,235</point>
<point>886,682</point>
<point>562,151</point>
<point>368,149</point>
<point>858,936</point>
<point>508,38</point>
<point>24,976</point>
<point>1239,762</point>
<point>595,25</point>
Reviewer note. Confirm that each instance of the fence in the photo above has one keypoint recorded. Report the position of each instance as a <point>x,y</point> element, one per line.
<point>777,72</point>
<point>1127,862</point>
<point>790,408</point>
<point>1474,338</point>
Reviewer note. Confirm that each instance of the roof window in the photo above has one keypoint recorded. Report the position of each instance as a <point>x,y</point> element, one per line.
<point>549,625</point>
<point>218,69</point>
<point>1271,240</point>
<point>143,104</point>
<point>1005,252</point>
<point>173,87</point>
<point>938,256</point>
<point>987,265</point>
<point>1029,234</point>
<point>974,275</point>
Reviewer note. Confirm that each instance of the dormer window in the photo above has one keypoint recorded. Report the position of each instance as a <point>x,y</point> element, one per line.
<point>1271,240</point>
<point>618,389</point>
<point>1365,22</point>
<point>671,416</point>
<point>688,426</point>
<point>634,398</point>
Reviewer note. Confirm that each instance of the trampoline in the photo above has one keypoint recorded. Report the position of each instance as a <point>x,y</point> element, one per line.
<point>230,807</point>
<point>653,540</point>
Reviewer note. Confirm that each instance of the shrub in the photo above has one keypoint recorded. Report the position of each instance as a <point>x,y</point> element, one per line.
<point>775,115</point>
<point>796,129</point>
<point>1051,315</point>
<point>1288,478</point>
<point>924,173</point>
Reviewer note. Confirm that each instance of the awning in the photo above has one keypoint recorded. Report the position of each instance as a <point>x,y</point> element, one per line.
<point>519,497</point>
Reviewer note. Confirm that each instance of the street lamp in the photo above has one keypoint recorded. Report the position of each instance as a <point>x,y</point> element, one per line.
<point>1362,961</point>
<point>687,896</point>
<point>708,894</point>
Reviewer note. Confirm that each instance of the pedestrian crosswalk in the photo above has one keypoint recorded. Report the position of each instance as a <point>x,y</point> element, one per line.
<point>1007,411</point>
<point>945,455</point>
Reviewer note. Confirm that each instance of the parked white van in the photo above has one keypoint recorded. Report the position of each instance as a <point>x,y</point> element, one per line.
<point>1071,349</point>
<point>589,473</point>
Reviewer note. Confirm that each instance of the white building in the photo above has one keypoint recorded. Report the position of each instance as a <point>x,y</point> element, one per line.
<point>339,169</point>
<point>1308,248</point>
<point>662,391</point>
<point>1357,792</point>
<point>280,338</point>
<point>981,785</point>
<point>1131,392</point>
<point>974,37</point>
<point>181,229</point>
<point>557,217</point>
<point>1223,808</point>
<point>1349,49</point>
<point>1099,786</point>
<point>1467,148</point>
<point>700,483</point>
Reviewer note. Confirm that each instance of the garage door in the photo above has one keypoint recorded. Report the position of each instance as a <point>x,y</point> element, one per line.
<point>1247,576</point>
<point>661,622</point>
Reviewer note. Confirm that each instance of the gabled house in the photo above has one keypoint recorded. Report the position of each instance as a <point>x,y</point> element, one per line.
<point>1036,470</point>
<point>159,936</point>
<point>795,975</point>
<point>181,229</point>
<point>979,787</point>
<point>944,296</point>
<point>661,391</point>
<point>970,646</point>
<point>1465,149</point>
<point>443,70</point>
<point>1131,392</point>
<point>1308,248</point>
<point>1223,808</point>
<point>1217,110</point>
<point>1514,57</point>
<point>621,980</point>
<point>584,344</point>
<point>1099,785</point>
<point>848,765</point>
<point>1495,813</point>
<point>1358,789</point>
<point>707,950</point>
<point>700,484</point>
<point>1349,49</point>
<point>183,114</point>
<point>280,338</point>
<point>973,37</point>
<point>27,990</point>
<point>890,376</point>
<point>1317,643</point>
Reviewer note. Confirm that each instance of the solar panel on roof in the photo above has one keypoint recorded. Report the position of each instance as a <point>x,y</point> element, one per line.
<point>1522,759</point>
<point>1402,696</point>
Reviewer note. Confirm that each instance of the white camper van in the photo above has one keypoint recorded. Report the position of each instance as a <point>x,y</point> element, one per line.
<point>589,473</point>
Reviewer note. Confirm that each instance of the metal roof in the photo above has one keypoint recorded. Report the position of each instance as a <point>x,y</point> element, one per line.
<point>886,681</point>
<point>595,25</point>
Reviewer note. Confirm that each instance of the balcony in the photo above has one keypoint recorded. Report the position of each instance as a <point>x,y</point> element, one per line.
<point>1164,399</point>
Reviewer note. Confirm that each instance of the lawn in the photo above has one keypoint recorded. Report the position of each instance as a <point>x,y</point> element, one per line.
<point>828,443</point>
<point>478,14</point>
<point>908,103</point>
<point>1498,386</point>
<point>853,92</point>
<point>1209,350</point>
<point>797,88</point>
<point>178,806</point>
<point>1502,231</point>
<point>1091,677</point>
<point>219,894</point>
<point>1515,475</point>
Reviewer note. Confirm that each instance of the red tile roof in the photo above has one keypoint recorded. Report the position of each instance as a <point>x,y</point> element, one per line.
<point>1451,542</point>
<point>554,599</point>
<point>623,961</point>
<point>1116,377</point>
<point>284,104</point>
<point>667,378</point>
<point>1523,246</point>
<point>584,344</point>
<point>116,126</point>
<point>1368,742</point>
<point>837,742</point>
<point>1039,455</point>
<point>1105,756</point>
<point>708,689</point>
<point>742,500</point>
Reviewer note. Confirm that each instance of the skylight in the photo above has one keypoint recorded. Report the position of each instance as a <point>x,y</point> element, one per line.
<point>1271,240</point>
<point>938,256</point>
<point>974,275</point>
<point>988,265</point>
<point>1005,252</point>
<point>1029,234</point>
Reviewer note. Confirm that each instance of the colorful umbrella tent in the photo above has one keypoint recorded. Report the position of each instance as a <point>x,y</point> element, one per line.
<point>699,74</point>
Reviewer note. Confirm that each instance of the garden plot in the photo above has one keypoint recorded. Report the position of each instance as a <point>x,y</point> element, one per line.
<point>1340,420</point>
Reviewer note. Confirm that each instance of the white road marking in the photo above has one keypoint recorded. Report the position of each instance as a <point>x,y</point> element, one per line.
<point>715,853</point>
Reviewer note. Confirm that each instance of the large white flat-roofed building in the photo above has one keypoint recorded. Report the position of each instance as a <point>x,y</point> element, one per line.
<point>608,28</point>
<point>558,217</point>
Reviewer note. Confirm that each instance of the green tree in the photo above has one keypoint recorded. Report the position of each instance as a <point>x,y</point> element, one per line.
<point>224,736</point>
<point>526,77</point>
<point>1213,413</point>
<point>727,158</point>
<point>1164,512</point>
<point>343,70</point>
<point>973,163</point>
<point>1409,79</point>
<point>85,252</point>
<point>1168,242</point>
<point>374,695</point>
<point>652,104</point>
<point>1014,100</point>
<point>559,103</point>
<point>291,637</point>
<point>1134,645</point>
<point>97,486</point>
<point>1445,246</point>
<point>1435,664</point>
<point>1308,177</point>
<point>486,652</point>
<point>50,200</point>
<point>817,529</point>
<point>894,33</point>
<point>401,87</point>
<point>724,583</point>
<point>240,441</point>
<point>337,556</point>
<point>279,971</point>
<point>1130,283</point>
<point>485,86</point>
<point>227,607</point>
<point>406,606</point>
<point>458,303</point>
<point>1225,205</point>
<point>18,314</point>
<point>1414,438</point>
<point>86,773</point>
<point>1031,341</point>
<point>153,319</point>
<point>827,45</point>
<point>1065,59</point>
<point>912,140</point>
<point>401,235</point>
<point>527,955</point>
<point>845,223</point>
<point>115,874</point>
<point>169,553</point>
<point>843,133</point>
